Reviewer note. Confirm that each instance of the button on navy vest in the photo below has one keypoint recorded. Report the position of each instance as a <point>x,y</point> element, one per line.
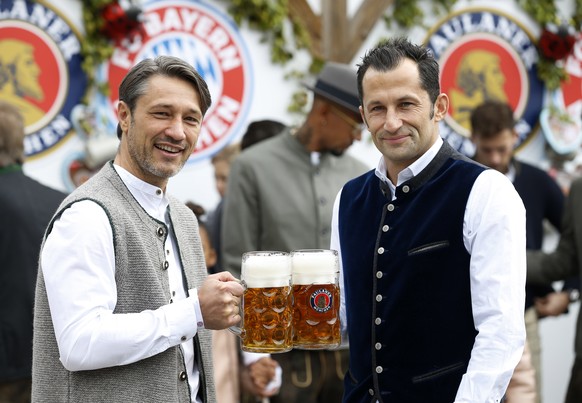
<point>407,285</point>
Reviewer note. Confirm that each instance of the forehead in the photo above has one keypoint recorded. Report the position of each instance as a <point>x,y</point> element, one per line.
<point>501,139</point>
<point>165,90</point>
<point>402,79</point>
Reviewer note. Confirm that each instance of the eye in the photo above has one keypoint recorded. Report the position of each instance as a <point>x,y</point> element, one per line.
<point>192,120</point>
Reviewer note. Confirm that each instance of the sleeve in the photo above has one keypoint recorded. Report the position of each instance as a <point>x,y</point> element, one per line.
<point>78,266</point>
<point>241,217</point>
<point>494,233</point>
<point>336,245</point>
<point>562,263</point>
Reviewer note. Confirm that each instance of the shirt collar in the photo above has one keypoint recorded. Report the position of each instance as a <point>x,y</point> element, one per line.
<point>413,169</point>
<point>150,197</point>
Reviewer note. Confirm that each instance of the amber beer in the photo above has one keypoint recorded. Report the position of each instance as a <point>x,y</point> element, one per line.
<point>267,304</point>
<point>316,299</point>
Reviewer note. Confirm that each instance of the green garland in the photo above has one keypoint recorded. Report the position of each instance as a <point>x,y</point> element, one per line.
<point>270,16</point>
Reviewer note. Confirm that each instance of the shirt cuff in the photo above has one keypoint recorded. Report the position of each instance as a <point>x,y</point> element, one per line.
<point>193,295</point>
<point>250,358</point>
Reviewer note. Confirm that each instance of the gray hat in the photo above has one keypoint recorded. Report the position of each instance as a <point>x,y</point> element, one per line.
<point>337,83</point>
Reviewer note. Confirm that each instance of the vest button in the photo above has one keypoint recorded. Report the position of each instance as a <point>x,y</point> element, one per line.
<point>379,298</point>
<point>160,231</point>
<point>405,189</point>
<point>379,369</point>
<point>385,228</point>
<point>158,191</point>
<point>379,274</point>
<point>165,265</point>
<point>380,250</point>
<point>378,321</point>
<point>378,346</point>
<point>371,392</point>
<point>183,376</point>
<point>390,207</point>
<point>183,338</point>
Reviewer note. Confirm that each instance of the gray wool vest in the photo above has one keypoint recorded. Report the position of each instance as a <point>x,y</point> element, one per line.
<point>142,283</point>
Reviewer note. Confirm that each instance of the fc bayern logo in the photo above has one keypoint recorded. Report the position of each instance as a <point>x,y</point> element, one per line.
<point>485,55</point>
<point>321,300</point>
<point>205,38</point>
<point>40,71</point>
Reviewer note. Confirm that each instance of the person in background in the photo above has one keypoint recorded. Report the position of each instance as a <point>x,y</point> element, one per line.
<point>432,250</point>
<point>564,262</point>
<point>123,301</point>
<point>26,206</point>
<point>260,130</point>
<point>221,163</point>
<point>279,197</point>
<point>228,374</point>
<point>494,136</point>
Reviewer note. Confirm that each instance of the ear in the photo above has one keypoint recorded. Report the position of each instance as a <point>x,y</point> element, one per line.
<point>123,115</point>
<point>441,106</point>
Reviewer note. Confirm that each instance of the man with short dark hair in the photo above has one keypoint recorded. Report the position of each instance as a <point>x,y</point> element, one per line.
<point>432,250</point>
<point>123,301</point>
<point>280,197</point>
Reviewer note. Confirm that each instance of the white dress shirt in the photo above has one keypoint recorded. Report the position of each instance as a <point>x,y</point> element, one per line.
<point>78,265</point>
<point>494,236</point>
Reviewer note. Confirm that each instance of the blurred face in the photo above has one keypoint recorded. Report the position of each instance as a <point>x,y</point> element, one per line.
<point>221,171</point>
<point>400,116</point>
<point>496,151</point>
<point>161,133</point>
<point>341,129</point>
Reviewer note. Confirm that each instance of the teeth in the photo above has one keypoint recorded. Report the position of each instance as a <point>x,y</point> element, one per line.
<point>168,149</point>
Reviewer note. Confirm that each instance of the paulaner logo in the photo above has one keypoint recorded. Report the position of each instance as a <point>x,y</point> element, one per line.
<point>321,300</point>
<point>204,38</point>
<point>485,55</point>
<point>40,71</point>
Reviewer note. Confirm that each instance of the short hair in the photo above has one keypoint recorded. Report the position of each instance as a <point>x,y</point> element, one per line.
<point>491,118</point>
<point>227,153</point>
<point>134,84</point>
<point>11,135</point>
<point>260,130</point>
<point>388,54</point>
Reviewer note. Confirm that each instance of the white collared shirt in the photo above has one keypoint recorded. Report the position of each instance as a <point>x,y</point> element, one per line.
<point>78,264</point>
<point>494,235</point>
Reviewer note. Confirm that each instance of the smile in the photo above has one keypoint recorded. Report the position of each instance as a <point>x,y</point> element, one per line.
<point>168,148</point>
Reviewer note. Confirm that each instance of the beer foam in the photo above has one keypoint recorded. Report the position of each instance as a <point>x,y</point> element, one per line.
<point>266,270</point>
<point>316,262</point>
<point>314,278</point>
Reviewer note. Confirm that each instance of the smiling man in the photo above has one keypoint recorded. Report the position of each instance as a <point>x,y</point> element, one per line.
<point>432,247</point>
<point>123,302</point>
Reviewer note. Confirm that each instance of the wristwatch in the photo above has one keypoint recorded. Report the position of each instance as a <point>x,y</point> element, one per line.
<point>573,295</point>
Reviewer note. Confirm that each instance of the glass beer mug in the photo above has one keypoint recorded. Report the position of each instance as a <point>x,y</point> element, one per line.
<point>316,295</point>
<point>267,305</point>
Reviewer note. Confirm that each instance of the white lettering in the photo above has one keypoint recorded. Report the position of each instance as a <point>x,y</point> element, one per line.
<point>229,58</point>
<point>172,20</point>
<point>216,126</point>
<point>121,58</point>
<point>19,11</point>
<point>58,29</point>
<point>189,18</point>
<point>152,24</point>
<point>70,46</point>
<point>41,16</point>
<point>203,27</point>
<point>228,108</point>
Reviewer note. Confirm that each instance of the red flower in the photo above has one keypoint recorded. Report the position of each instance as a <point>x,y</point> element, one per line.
<point>556,45</point>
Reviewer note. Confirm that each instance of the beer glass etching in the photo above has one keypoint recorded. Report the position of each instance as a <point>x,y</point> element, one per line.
<point>267,305</point>
<point>316,298</point>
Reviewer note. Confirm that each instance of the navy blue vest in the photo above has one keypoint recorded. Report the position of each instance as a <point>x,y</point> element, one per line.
<point>406,281</point>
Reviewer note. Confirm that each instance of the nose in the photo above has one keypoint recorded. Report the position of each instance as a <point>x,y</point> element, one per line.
<point>175,129</point>
<point>392,122</point>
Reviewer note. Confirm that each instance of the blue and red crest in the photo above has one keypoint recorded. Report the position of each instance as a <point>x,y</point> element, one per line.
<point>40,71</point>
<point>486,55</point>
<point>209,41</point>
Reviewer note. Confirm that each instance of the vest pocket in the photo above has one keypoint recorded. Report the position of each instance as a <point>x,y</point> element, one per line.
<point>429,247</point>
<point>438,372</point>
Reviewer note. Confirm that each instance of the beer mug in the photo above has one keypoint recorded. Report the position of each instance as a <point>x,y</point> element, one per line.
<point>267,305</point>
<point>316,298</point>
